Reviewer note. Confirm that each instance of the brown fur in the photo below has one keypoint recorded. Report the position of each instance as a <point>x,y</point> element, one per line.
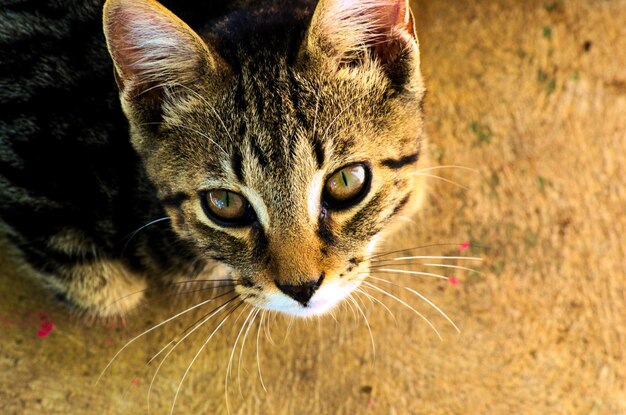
<point>179,95</point>
<point>543,325</point>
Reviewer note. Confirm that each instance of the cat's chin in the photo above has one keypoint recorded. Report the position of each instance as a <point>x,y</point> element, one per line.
<point>324,300</point>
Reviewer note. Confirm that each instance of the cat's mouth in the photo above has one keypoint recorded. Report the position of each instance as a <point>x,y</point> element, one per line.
<point>323,300</point>
<point>316,296</point>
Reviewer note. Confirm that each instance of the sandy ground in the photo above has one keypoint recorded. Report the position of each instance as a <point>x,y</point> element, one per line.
<point>531,95</point>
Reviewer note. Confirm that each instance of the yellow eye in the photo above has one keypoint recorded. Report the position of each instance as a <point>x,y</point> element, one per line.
<point>226,207</point>
<point>347,185</point>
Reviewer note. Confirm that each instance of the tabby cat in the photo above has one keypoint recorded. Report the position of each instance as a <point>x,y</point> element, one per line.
<point>268,142</point>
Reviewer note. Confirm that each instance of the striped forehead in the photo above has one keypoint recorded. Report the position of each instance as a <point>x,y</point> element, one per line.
<point>283,180</point>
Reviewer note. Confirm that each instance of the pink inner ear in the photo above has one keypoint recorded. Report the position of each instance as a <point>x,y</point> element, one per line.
<point>395,21</point>
<point>149,44</point>
<point>121,48</point>
<point>124,26</point>
<point>396,15</point>
<point>347,28</point>
<point>385,14</point>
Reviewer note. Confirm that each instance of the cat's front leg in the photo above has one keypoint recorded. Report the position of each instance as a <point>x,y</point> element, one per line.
<point>101,288</point>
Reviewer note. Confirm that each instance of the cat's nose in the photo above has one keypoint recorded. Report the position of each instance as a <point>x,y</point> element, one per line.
<point>303,292</point>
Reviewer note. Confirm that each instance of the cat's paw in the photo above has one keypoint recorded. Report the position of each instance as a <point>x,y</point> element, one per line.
<point>99,289</point>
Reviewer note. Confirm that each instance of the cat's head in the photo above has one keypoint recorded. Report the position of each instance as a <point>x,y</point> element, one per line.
<point>281,151</point>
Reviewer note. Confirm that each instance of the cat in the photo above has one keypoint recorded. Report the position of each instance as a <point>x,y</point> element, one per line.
<point>271,143</point>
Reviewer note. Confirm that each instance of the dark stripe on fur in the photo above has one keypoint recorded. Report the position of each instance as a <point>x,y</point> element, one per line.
<point>399,206</point>
<point>258,152</point>
<point>237,165</point>
<point>222,244</point>
<point>259,239</point>
<point>324,231</point>
<point>401,162</point>
<point>318,150</point>
<point>175,200</point>
<point>365,223</point>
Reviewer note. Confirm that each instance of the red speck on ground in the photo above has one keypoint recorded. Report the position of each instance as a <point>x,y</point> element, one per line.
<point>370,403</point>
<point>464,246</point>
<point>45,328</point>
<point>135,381</point>
<point>108,341</point>
<point>453,281</point>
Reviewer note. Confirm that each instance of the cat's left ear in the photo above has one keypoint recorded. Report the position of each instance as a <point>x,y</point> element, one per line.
<point>152,49</point>
<point>349,32</point>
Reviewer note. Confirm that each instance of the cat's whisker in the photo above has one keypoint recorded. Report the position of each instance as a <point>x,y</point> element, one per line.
<point>268,333</point>
<point>162,298</point>
<point>228,373</point>
<point>243,345</point>
<point>443,179</point>
<point>230,313</point>
<point>381,254</point>
<point>465,258</point>
<point>145,290</point>
<point>356,290</point>
<point>453,266</point>
<point>450,166</point>
<point>402,271</point>
<point>342,307</point>
<point>203,136</point>
<point>181,290</point>
<point>425,264</point>
<point>289,327</point>
<point>201,290</point>
<point>334,120</point>
<point>363,303</point>
<point>241,313</point>
<point>338,134</point>
<point>420,296</point>
<point>217,115</point>
<point>133,234</point>
<point>406,219</point>
<point>354,315</point>
<point>196,326</point>
<point>258,360</point>
<point>372,298</point>
<point>150,330</point>
<point>201,318</point>
<point>367,323</point>
<point>333,315</point>
<point>165,85</point>
<point>435,307</point>
<point>194,281</point>
<point>406,305</point>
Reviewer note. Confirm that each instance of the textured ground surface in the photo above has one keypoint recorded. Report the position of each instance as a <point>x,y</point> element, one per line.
<point>534,97</point>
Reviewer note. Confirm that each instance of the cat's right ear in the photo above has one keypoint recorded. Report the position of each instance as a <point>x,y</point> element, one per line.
<point>152,49</point>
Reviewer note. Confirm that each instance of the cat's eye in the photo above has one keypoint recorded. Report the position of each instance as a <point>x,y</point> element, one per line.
<point>227,208</point>
<point>346,186</point>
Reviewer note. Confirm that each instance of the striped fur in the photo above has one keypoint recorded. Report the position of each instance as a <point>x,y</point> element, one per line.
<point>252,103</point>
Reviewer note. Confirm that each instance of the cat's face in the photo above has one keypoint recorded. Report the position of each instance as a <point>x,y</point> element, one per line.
<point>286,168</point>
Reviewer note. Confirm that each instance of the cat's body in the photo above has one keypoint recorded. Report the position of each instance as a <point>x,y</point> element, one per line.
<point>267,105</point>
<point>73,188</point>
